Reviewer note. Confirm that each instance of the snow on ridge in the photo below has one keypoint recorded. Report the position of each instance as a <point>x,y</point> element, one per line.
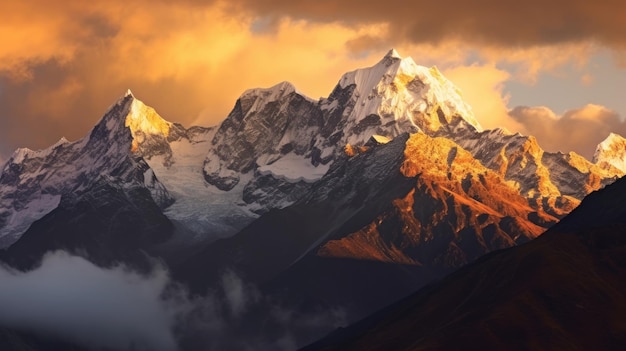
<point>398,87</point>
<point>144,118</point>
<point>611,151</point>
<point>367,78</point>
<point>274,92</point>
<point>203,209</point>
<point>19,221</point>
<point>23,153</point>
<point>61,141</point>
<point>612,138</point>
<point>293,168</point>
<point>393,54</point>
<point>51,172</point>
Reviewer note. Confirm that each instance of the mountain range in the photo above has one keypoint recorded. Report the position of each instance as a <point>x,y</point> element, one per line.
<point>349,202</point>
<point>563,291</point>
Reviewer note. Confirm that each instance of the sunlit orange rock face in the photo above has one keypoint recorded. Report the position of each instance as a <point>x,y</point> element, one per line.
<point>564,291</point>
<point>553,182</point>
<point>457,211</point>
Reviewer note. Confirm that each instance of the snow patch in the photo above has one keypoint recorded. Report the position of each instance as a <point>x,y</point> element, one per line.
<point>206,211</point>
<point>380,139</point>
<point>293,168</point>
<point>23,153</point>
<point>20,220</point>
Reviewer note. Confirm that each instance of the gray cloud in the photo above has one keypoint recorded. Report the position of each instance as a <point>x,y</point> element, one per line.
<point>238,295</point>
<point>70,297</point>
<point>579,130</point>
<point>117,309</point>
<point>501,23</point>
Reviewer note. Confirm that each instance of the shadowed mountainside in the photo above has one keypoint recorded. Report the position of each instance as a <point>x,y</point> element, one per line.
<point>564,290</point>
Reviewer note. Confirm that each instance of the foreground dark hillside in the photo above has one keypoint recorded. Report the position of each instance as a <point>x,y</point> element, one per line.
<point>566,290</point>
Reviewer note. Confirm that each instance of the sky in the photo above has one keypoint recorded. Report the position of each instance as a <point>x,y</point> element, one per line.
<point>554,69</point>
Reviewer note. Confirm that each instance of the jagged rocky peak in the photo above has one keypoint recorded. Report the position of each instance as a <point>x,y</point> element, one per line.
<point>397,89</point>
<point>144,119</point>
<point>611,153</point>
<point>277,134</point>
<point>23,153</point>
<point>256,97</point>
<point>150,134</point>
<point>130,112</point>
<point>265,125</point>
<point>33,182</point>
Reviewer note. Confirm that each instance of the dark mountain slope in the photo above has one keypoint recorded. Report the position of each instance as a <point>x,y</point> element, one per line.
<point>566,290</point>
<point>12,340</point>
<point>376,227</point>
<point>107,224</point>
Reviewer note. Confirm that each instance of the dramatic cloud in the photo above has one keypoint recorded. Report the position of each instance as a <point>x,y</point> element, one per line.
<point>482,88</point>
<point>579,130</point>
<point>189,61</point>
<point>500,23</point>
<point>117,309</point>
<point>71,298</point>
<point>62,65</point>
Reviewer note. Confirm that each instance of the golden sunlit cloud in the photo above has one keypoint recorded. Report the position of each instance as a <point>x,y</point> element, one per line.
<point>532,61</point>
<point>31,37</point>
<point>587,79</point>
<point>481,22</point>
<point>62,65</point>
<point>190,62</point>
<point>482,88</point>
<point>579,130</point>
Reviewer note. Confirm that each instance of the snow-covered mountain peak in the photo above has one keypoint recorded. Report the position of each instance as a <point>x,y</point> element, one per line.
<point>61,141</point>
<point>253,100</point>
<point>415,97</point>
<point>611,152</point>
<point>130,114</point>
<point>143,118</point>
<point>273,92</point>
<point>33,182</point>
<point>612,139</point>
<point>393,54</point>
<point>23,153</point>
<point>366,79</point>
<point>20,154</point>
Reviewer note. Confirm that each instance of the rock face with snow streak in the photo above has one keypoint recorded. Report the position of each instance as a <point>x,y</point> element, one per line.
<point>268,132</point>
<point>552,182</point>
<point>287,141</point>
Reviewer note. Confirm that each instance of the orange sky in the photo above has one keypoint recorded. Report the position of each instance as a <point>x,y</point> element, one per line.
<point>62,65</point>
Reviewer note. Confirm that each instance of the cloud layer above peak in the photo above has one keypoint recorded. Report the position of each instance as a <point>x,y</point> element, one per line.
<point>62,65</point>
